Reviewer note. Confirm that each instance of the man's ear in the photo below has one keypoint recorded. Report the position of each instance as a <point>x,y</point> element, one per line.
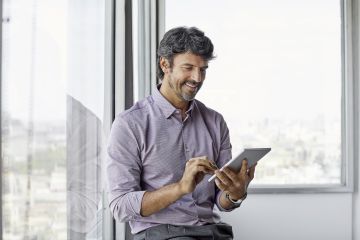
<point>164,64</point>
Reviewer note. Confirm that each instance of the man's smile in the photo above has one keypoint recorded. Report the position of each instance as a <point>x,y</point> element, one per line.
<point>192,86</point>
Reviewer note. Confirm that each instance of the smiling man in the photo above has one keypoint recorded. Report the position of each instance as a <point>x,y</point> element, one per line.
<point>164,148</point>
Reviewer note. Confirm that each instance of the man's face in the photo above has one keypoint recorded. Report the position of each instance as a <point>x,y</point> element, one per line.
<point>186,75</point>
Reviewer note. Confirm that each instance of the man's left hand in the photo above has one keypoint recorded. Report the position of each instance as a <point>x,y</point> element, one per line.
<point>235,183</point>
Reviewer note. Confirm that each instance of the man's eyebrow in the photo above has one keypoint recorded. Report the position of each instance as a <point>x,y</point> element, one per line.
<point>190,65</point>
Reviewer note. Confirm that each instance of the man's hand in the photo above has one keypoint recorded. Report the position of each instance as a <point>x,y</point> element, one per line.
<point>195,170</point>
<point>235,183</point>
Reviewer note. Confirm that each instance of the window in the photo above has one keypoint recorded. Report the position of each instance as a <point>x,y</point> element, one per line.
<point>33,120</point>
<point>278,81</point>
<point>53,109</point>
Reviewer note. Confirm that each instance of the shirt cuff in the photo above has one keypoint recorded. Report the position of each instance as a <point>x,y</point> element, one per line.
<point>134,201</point>
<point>128,206</point>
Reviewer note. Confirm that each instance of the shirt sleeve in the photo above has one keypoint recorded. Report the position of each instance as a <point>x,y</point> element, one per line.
<point>123,170</point>
<point>224,156</point>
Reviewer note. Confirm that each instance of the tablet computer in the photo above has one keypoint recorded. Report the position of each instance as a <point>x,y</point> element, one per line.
<point>252,155</point>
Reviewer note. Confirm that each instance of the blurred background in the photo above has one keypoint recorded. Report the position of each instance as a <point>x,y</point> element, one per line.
<point>286,76</point>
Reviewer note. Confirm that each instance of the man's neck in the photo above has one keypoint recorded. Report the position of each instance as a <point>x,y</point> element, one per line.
<point>173,99</point>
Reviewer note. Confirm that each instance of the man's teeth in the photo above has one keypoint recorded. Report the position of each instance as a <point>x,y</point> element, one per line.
<point>191,85</point>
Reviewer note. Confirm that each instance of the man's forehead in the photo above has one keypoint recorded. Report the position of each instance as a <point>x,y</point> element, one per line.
<point>189,59</point>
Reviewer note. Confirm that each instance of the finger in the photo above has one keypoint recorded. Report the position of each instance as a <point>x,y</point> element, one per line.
<point>200,158</point>
<point>204,157</point>
<point>223,178</point>
<point>220,185</point>
<point>203,169</point>
<point>213,164</point>
<point>197,158</point>
<point>244,166</point>
<point>252,172</point>
<point>202,162</point>
<point>230,174</point>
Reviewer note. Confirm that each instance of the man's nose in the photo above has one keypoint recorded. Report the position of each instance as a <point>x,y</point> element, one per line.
<point>196,75</point>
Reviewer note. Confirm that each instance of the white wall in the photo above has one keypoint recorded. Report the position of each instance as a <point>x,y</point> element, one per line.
<point>293,216</point>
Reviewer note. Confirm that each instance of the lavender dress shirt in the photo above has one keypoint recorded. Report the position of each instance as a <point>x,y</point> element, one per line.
<point>148,147</point>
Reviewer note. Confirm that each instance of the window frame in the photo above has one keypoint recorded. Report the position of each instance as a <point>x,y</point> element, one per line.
<point>348,106</point>
<point>108,223</point>
<point>122,76</point>
<point>1,159</point>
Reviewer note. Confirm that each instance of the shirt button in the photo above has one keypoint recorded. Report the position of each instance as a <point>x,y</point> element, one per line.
<point>186,148</point>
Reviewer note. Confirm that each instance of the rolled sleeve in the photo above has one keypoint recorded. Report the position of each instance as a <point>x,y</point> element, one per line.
<point>124,171</point>
<point>127,207</point>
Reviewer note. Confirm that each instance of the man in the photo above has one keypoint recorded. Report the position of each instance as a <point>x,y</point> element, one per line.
<point>164,148</point>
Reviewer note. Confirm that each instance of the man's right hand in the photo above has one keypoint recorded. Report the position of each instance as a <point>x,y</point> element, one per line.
<point>195,170</point>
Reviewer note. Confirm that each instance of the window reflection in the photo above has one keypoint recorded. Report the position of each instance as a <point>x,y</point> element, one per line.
<point>52,106</point>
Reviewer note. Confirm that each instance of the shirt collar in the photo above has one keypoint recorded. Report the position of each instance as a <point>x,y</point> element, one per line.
<point>166,107</point>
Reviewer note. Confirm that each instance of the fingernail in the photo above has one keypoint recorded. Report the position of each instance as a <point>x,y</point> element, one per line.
<point>214,165</point>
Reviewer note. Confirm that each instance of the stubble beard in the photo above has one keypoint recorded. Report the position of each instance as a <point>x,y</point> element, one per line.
<point>182,95</point>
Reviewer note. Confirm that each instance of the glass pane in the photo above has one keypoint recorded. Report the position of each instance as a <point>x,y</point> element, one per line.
<point>276,80</point>
<point>33,119</point>
<point>85,110</point>
<point>52,107</point>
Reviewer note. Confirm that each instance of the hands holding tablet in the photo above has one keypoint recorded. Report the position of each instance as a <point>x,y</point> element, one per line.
<point>252,155</point>
<point>234,177</point>
<point>235,183</point>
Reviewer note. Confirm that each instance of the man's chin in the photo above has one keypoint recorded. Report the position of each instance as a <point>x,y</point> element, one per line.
<point>189,95</point>
<point>188,98</point>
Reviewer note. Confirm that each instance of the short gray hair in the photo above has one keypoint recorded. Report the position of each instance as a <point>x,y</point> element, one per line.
<point>181,40</point>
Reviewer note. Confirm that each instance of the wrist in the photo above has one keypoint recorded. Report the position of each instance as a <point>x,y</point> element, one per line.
<point>236,199</point>
<point>180,189</point>
<point>233,202</point>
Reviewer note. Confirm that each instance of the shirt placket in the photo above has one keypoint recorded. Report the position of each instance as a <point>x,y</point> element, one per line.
<point>187,150</point>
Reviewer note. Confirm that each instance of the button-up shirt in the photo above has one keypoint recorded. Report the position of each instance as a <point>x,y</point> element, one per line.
<point>148,148</point>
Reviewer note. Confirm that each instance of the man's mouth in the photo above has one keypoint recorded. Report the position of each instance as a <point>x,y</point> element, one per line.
<point>193,86</point>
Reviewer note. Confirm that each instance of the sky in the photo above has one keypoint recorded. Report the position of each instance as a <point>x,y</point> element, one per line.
<point>274,58</point>
<point>35,50</point>
<point>52,52</point>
